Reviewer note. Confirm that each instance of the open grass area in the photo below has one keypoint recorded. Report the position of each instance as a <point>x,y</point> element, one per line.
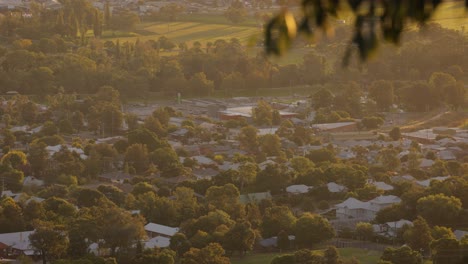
<point>364,256</point>
<point>210,27</point>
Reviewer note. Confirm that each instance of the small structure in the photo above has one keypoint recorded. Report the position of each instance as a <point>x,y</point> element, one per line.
<point>154,230</point>
<point>336,127</point>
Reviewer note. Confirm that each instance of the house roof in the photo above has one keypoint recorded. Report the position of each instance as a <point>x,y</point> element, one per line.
<point>353,203</point>
<point>161,229</point>
<point>382,186</point>
<point>300,188</point>
<point>399,223</point>
<point>427,183</point>
<point>328,126</point>
<point>385,199</point>
<point>459,234</point>
<point>18,240</point>
<point>32,181</point>
<point>158,242</point>
<point>334,187</point>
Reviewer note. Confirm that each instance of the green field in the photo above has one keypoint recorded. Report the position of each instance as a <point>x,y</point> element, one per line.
<point>364,256</point>
<point>210,27</point>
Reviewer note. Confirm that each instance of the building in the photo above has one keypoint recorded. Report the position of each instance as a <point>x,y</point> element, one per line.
<point>154,230</point>
<point>13,245</point>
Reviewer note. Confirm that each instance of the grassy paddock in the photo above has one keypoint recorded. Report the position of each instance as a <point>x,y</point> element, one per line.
<point>364,256</point>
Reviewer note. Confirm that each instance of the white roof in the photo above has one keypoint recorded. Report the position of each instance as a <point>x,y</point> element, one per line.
<point>459,234</point>
<point>158,242</point>
<point>334,188</point>
<point>353,203</point>
<point>383,186</point>
<point>32,181</point>
<point>385,199</point>
<point>426,183</point>
<point>202,160</point>
<point>161,229</point>
<point>300,188</point>
<point>18,240</point>
<point>426,163</point>
<point>328,126</point>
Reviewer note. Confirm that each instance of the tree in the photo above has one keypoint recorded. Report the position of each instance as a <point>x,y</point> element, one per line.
<point>364,231</point>
<point>323,98</point>
<point>50,240</point>
<point>236,12</point>
<point>199,85</point>
<point>263,113</point>
<point>447,251</point>
<point>439,209</point>
<point>247,173</point>
<point>403,255</point>
<point>382,93</point>
<point>439,232</point>
<point>270,145</point>
<point>389,159</point>
<point>212,253</point>
<point>225,198</point>
<point>312,229</point>
<point>418,237</point>
<point>240,237</point>
<point>395,133</point>
<point>248,139</point>
<point>15,159</point>
<point>118,228</point>
<point>372,122</point>
<point>137,156</point>
<point>276,219</point>
<point>167,161</point>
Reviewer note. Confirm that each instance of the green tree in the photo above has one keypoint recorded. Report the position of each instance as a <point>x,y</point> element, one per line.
<point>276,219</point>
<point>236,12</point>
<point>382,93</point>
<point>419,235</point>
<point>364,231</point>
<point>439,209</point>
<point>240,237</point>
<point>403,255</point>
<point>137,156</point>
<point>167,161</point>
<point>212,253</point>
<point>263,113</point>
<point>270,145</point>
<point>50,240</point>
<point>248,139</point>
<point>323,98</point>
<point>395,133</point>
<point>312,229</point>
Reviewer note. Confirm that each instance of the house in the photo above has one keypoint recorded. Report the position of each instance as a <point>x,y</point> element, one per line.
<point>335,188</point>
<point>31,181</point>
<point>204,173</point>
<point>383,201</point>
<point>254,197</point>
<point>382,186</point>
<point>16,244</point>
<point>355,209</point>
<point>298,189</point>
<point>390,229</point>
<point>157,242</point>
<point>154,230</point>
<point>358,210</point>
<point>427,183</point>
